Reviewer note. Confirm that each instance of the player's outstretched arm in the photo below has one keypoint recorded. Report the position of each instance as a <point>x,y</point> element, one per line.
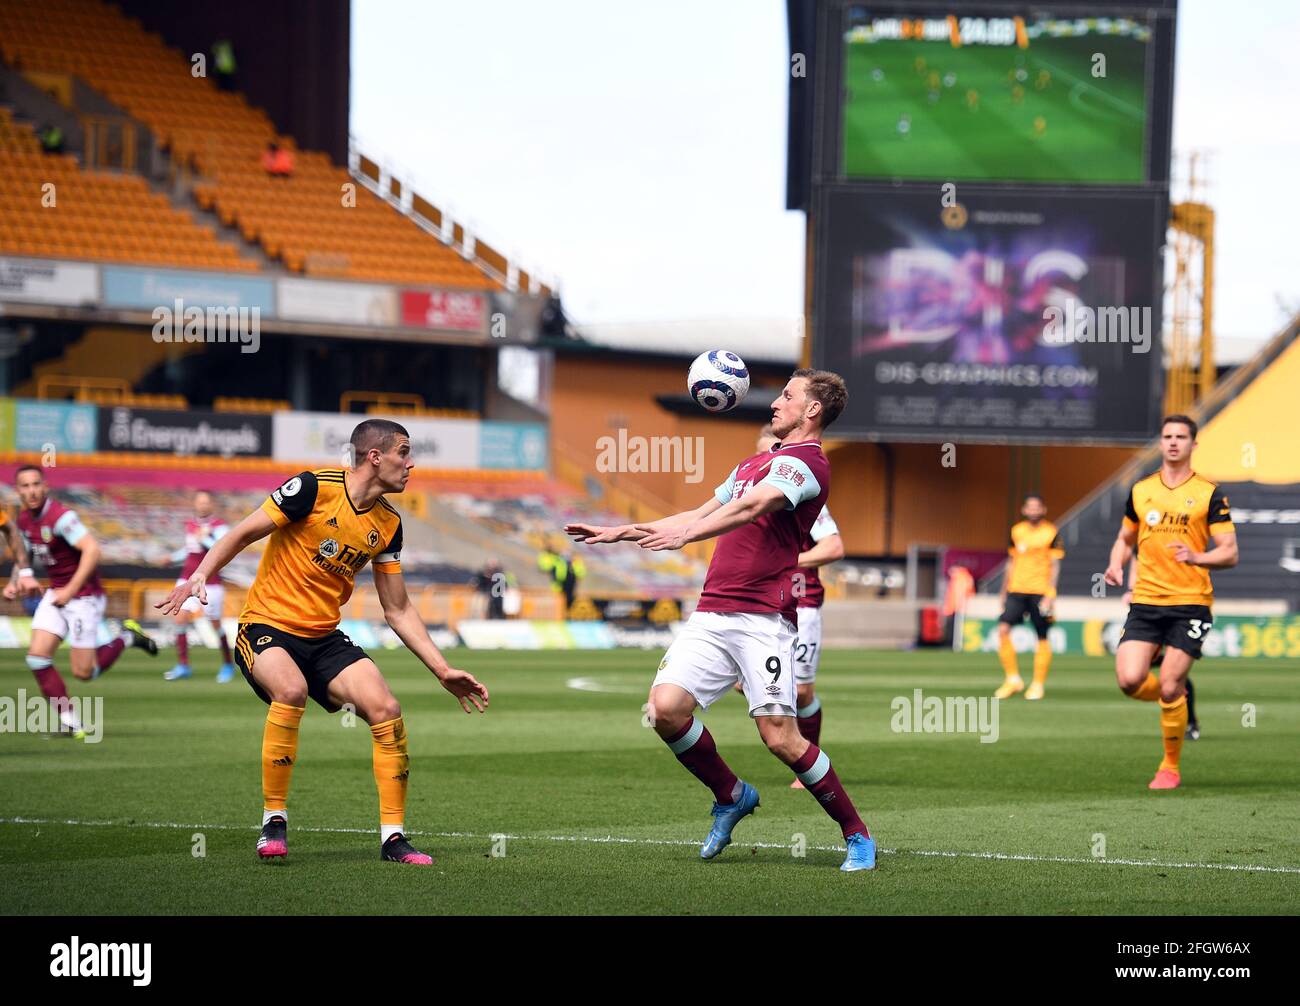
<point>760,499</point>
<point>401,615</point>
<point>829,549</point>
<point>255,526</point>
<point>596,534</point>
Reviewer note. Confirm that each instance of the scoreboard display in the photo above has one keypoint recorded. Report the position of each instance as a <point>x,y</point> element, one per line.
<point>1029,97</point>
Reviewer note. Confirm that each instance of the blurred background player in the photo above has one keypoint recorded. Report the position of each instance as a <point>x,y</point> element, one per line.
<point>325,526</point>
<point>744,624</point>
<point>821,546</point>
<point>201,533</point>
<point>1171,518</point>
<point>73,606</point>
<point>1029,588</point>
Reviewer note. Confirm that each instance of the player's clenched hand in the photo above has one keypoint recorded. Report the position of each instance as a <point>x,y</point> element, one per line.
<point>657,540</point>
<point>11,590</point>
<point>469,691</point>
<point>594,534</point>
<point>61,597</point>
<point>28,585</point>
<point>1114,575</point>
<point>182,592</point>
<point>1184,554</point>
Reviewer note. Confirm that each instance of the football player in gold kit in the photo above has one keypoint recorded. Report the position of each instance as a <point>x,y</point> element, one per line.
<point>1029,588</point>
<point>1181,527</point>
<point>325,526</point>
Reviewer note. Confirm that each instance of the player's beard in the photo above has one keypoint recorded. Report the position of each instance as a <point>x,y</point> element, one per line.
<point>781,431</point>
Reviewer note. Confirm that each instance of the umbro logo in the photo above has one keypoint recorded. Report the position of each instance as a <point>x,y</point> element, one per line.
<point>332,522</point>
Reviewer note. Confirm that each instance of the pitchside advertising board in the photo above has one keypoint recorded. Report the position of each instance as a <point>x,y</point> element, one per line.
<point>967,314</point>
<point>219,434</point>
<point>1231,636</point>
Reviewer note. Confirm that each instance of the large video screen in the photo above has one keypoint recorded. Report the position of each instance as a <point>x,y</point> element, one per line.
<point>1028,97</point>
<point>999,317</point>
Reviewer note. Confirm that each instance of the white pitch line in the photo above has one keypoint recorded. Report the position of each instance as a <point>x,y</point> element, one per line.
<point>592,685</point>
<point>621,840</point>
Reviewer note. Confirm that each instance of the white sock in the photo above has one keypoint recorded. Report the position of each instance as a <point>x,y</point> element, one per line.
<point>69,719</point>
<point>268,814</point>
<point>387,831</point>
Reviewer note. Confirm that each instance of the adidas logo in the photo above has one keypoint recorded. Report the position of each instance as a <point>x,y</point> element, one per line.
<point>285,760</point>
<point>332,522</point>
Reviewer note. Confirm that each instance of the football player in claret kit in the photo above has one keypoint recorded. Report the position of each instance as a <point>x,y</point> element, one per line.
<point>821,546</point>
<point>73,606</point>
<point>325,526</point>
<point>1029,588</point>
<point>1181,527</point>
<point>744,625</point>
<point>203,531</point>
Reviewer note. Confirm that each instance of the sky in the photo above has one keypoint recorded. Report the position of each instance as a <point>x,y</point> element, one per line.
<point>635,153</point>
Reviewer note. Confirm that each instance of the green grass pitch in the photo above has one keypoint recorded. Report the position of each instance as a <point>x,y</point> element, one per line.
<point>602,819</point>
<point>1091,127</point>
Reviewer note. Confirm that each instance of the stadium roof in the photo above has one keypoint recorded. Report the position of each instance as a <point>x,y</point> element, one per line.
<point>770,340</point>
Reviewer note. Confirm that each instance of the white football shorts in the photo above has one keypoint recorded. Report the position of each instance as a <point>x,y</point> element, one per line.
<point>715,649</point>
<point>77,622</point>
<point>808,650</point>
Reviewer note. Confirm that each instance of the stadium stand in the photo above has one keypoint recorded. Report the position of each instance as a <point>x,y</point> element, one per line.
<point>94,215</point>
<point>316,221</point>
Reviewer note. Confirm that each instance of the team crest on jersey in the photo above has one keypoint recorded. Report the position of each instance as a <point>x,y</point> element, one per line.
<point>47,535</point>
<point>1189,503</point>
<point>1153,518</point>
<point>372,539</point>
<point>329,548</point>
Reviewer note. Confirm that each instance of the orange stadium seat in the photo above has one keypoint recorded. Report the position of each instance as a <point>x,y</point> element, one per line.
<point>295,219</point>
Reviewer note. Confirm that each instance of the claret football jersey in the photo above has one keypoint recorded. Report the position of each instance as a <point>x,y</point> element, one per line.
<point>320,543</point>
<point>53,533</point>
<point>1165,516</point>
<point>753,564</point>
<point>813,593</point>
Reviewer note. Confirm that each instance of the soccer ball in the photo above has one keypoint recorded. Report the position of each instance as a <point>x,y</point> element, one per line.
<point>718,380</point>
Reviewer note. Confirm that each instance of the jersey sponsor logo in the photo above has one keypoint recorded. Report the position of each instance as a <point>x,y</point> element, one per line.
<point>329,548</point>
<point>372,539</point>
<point>291,487</point>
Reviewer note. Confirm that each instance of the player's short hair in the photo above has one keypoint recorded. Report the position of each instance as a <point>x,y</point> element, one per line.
<point>376,433</point>
<point>827,388</point>
<point>1033,496</point>
<point>1187,421</point>
<point>28,468</point>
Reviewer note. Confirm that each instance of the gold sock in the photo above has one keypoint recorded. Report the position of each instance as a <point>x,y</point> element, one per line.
<point>392,768</point>
<point>1149,690</point>
<point>1042,661</point>
<point>1007,655</point>
<point>1173,725</point>
<point>279,751</point>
